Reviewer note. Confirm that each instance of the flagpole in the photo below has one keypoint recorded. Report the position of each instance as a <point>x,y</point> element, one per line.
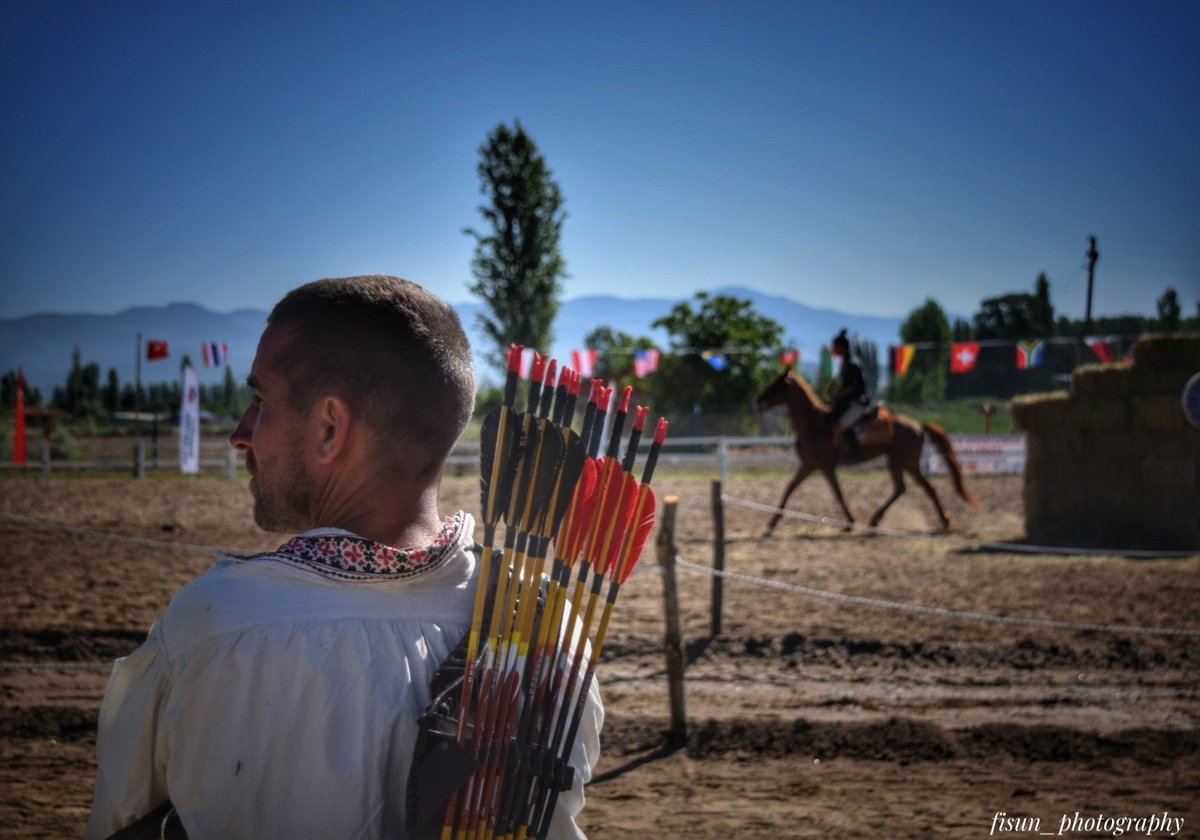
<point>137,388</point>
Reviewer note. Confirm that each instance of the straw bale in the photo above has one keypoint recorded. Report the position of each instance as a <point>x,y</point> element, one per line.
<point>1159,413</point>
<point>1100,380</point>
<point>1166,351</point>
<point>1037,411</point>
<point>1163,381</point>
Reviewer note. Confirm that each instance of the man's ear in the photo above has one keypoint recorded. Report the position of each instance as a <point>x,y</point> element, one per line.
<point>333,419</point>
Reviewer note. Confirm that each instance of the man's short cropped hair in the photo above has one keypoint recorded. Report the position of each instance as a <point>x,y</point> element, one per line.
<point>394,351</point>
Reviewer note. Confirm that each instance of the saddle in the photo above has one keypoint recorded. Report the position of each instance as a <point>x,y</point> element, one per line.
<point>874,428</point>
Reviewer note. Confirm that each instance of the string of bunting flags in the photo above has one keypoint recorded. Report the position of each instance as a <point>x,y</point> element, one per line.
<point>214,353</point>
<point>1028,354</point>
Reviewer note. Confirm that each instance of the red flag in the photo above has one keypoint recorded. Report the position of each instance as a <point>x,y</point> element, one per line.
<point>1100,347</point>
<point>788,358</point>
<point>963,355</point>
<point>19,427</point>
<point>156,349</point>
<point>584,361</point>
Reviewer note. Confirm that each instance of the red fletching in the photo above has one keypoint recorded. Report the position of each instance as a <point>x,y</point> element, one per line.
<point>639,418</point>
<point>514,358</point>
<point>607,494</point>
<point>643,523</point>
<point>626,394</point>
<point>564,378</point>
<point>573,528</point>
<point>539,363</point>
<point>597,387</point>
<point>573,383</point>
<point>551,372</point>
<point>620,527</point>
<point>660,434</point>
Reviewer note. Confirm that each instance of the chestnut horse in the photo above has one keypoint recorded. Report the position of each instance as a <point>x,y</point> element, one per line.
<point>812,420</point>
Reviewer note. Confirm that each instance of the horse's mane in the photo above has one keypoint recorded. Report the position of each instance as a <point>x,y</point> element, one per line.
<point>808,391</point>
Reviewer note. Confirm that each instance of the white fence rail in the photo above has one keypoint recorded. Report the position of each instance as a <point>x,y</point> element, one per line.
<point>717,454</point>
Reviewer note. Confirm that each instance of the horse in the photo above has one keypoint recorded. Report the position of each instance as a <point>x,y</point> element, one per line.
<point>813,421</point>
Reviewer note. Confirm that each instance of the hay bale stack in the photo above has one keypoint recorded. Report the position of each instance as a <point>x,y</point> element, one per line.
<point>1113,462</point>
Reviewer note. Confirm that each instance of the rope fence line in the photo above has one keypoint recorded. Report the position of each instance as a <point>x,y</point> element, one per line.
<point>942,612</point>
<point>105,535</point>
<point>56,666</point>
<point>952,539</point>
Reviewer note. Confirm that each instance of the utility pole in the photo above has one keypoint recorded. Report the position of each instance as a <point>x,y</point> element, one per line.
<point>1092,255</point>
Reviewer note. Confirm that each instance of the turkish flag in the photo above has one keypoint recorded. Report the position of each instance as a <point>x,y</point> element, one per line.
<point>156,349</point>
<point>963,355</point>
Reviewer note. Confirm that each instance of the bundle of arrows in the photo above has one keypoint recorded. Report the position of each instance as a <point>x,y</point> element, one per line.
<point>526,683</point>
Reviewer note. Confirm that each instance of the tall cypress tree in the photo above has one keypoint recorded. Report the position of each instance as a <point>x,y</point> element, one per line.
<point>517,264</point>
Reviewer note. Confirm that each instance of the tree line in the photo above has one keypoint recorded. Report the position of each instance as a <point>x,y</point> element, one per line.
<point>86,396</point>
<point>518,271</point>
<point>1004,320</point>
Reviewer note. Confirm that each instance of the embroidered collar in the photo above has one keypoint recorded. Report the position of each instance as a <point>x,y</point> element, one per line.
<point>346,556</point>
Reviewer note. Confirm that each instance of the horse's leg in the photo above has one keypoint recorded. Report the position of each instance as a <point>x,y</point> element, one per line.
<point>800,475</point>
<point>831,476</point>
<point>932,494</point>
<point>897,489</point>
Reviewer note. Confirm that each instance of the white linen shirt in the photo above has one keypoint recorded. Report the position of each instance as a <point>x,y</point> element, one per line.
<point>272,701</point>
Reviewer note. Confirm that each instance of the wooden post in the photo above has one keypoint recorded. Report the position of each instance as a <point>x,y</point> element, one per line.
<point>673,641</point>
<point>718,515</point>
<point>139,460</point>
<point>46,459</point>
<point>231,462</point>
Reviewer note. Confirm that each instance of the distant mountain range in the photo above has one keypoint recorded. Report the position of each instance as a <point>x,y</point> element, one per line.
<point>42,344</point>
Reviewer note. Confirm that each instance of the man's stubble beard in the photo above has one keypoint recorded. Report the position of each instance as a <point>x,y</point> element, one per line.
<point>285,505</point>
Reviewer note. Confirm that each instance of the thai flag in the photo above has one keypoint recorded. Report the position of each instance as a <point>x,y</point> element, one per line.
<point>214,353</point>
<point>584,361</point>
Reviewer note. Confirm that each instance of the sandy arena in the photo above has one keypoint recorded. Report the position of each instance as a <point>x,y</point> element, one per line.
<point>807,717</point>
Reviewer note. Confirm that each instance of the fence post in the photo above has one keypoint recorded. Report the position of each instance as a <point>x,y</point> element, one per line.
<point>45,459</point>
<point>673,641</point>
<point>718,516</point>
<point>139,460</point>
<point>722,457</point>
<point>231,463</point>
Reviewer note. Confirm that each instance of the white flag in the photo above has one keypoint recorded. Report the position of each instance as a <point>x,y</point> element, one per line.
<point>189,424</point>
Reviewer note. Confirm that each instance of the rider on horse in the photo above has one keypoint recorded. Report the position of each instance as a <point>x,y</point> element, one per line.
<point>849,402</point>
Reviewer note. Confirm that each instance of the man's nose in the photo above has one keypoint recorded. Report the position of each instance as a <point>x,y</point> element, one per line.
<point>240,438</point>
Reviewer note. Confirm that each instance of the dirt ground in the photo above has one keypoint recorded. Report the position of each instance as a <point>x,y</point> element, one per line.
<point>807,717</point>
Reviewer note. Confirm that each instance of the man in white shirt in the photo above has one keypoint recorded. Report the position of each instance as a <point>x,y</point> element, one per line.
<point>279,694</point>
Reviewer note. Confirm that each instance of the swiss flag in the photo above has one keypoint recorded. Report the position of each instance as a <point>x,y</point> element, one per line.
<point>156,349</point>
<point>963,355</point>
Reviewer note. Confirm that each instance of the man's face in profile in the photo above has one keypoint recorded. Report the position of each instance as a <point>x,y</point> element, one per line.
<point>272,434</point>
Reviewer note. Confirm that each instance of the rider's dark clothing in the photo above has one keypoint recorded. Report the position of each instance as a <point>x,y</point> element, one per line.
<point>852,377</point>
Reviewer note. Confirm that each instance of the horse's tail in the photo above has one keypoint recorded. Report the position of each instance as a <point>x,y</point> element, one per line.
<point>942,441</point>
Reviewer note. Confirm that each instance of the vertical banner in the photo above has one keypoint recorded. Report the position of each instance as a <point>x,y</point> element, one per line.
<point>19,422</point>
<point>189,423</point>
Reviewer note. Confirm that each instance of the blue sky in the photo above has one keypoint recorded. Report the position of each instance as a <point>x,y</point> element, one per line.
<point>856,155</point>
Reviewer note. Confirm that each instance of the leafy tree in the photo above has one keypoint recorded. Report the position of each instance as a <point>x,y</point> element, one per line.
<point>687,383</point>
<point>112,392</point>
<point>1168,311</point>
<point>614,353</point>
<point>517,265</point>
<point>8,392</point>
<point>80,396</point>
<point>868,359</point>
<point>925,380</point>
